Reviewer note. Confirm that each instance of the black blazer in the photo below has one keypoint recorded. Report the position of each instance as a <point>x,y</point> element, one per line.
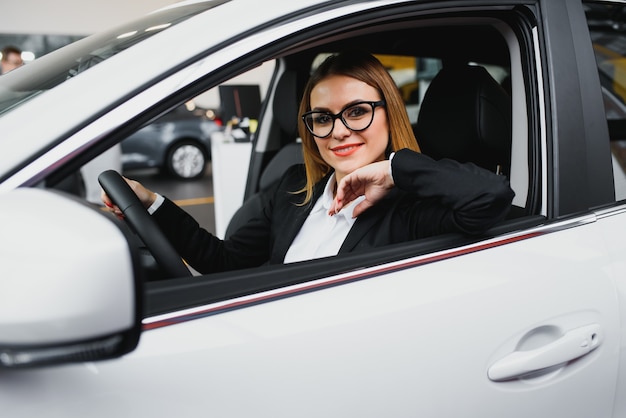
<point>431,197</point>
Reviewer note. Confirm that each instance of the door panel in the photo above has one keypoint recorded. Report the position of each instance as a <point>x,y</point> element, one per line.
<point>613,222</point>
<point>415,342</point>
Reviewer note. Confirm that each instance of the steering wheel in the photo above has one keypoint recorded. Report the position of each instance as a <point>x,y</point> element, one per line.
<point>142,223</point>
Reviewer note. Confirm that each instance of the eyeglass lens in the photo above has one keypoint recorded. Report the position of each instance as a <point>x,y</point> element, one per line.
<point>356,118</point>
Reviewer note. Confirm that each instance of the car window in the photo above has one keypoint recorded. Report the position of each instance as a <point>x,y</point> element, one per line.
<point>176,148</point>
<point>606,26</point>
<point>243,149</point>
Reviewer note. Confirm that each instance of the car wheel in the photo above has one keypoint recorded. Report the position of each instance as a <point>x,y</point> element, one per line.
<point>186,160</point>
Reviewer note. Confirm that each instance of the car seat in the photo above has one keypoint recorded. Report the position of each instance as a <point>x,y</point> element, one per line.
<point>285,111</point>
<point>466,116</point>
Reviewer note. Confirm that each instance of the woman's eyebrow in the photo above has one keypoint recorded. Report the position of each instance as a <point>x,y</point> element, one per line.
<point>353,102</point>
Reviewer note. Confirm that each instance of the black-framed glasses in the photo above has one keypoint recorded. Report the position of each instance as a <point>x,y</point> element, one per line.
<point>356,117</point>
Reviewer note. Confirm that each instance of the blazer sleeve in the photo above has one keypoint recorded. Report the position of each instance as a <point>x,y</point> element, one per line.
<point>252,245</point>
<point>452,196</point>
<point>207,253</point>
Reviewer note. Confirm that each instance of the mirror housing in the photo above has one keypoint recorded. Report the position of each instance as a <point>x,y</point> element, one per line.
<point>70,279</point>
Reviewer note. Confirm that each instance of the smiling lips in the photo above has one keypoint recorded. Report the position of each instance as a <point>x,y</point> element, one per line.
<point>345,150</point>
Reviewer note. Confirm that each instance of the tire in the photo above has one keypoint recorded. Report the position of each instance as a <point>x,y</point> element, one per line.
<point>186,160</point>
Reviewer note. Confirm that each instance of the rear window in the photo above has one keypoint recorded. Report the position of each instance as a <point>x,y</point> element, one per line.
<point>607,27</point>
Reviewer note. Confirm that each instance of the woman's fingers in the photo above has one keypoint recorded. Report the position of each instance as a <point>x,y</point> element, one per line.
<point>372,181</point>
<point>348,190</point>
<point>146,197</point>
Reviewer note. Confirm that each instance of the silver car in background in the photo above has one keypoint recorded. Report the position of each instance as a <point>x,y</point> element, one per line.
<point>178,143</point>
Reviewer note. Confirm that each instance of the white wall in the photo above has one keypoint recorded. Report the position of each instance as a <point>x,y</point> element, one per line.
<point>70,17</point>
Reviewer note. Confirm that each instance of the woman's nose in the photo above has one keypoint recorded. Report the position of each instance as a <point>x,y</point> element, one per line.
<point>340,130</point>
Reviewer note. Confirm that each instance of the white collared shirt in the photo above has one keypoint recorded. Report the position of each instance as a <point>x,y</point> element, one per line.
<point>322,235</point>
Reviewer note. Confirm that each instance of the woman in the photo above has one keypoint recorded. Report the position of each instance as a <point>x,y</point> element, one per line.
<point>363,184</point>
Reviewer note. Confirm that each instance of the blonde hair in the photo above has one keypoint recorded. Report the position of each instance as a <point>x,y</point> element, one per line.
<point>368,69</point>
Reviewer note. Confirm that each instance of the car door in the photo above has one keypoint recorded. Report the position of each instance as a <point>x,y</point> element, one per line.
<point>522,325</point>
<point>524,322</point>
<point>519,325</point>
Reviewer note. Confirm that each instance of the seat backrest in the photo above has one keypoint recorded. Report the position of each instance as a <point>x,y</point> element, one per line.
<point>466,116</point>
<point>285,106</point>
<point>285,110</point>
<point>288,155</point>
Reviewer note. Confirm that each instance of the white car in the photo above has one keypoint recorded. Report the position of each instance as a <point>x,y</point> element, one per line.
<point>523,321</point>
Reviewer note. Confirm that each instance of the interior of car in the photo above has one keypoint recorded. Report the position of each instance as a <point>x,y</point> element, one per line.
<point>463,84</point>
<point>467,82</point>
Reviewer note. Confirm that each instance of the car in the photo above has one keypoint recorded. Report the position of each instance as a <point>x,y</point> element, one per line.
<point>178,143</point>
<point>523,320</point>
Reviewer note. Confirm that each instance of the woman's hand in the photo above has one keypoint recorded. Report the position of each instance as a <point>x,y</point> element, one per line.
<point>373,181</point>
<point>146,197</point>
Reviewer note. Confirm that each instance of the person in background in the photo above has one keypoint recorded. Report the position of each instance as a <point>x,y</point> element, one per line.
<point>11,58</point>
<point>364,182</point>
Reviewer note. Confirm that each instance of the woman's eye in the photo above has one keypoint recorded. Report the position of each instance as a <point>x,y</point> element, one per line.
<point>322,119</point>
<point>356,111</point>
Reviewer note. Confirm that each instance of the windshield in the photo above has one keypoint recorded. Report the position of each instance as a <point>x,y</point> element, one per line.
<point>53,69</point>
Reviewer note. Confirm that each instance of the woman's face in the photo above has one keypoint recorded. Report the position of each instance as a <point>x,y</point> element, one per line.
<point>346,150</point>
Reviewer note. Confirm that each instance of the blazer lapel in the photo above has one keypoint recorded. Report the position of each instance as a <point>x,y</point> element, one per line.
<point>360,228</point>
<point>366,221</point>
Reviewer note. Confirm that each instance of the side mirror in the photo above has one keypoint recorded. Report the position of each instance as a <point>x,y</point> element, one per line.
<point>70,280</point>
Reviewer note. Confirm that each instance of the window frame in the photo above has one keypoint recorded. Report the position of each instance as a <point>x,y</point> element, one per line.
<point>171,295</point>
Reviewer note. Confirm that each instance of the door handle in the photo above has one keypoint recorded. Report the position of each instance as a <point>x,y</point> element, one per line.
<point>574,344</point>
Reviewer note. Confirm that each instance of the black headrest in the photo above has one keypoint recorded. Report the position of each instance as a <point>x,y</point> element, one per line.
<point>285,106</point>
<point>466,116</point>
